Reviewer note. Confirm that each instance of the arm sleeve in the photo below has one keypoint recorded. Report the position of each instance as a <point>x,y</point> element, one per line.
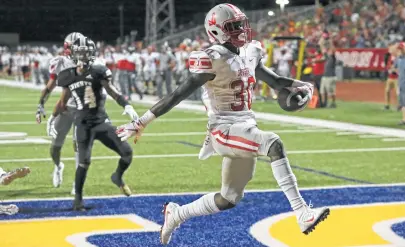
<point>200,62</point>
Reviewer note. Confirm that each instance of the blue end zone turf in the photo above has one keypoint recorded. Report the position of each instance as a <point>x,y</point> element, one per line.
<point>399,229</point>
<point>230,228</point>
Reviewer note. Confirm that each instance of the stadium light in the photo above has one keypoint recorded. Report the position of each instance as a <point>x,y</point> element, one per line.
<point>282,4</point>
<point>270,13</point>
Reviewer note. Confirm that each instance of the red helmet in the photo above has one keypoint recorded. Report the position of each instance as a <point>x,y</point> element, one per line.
<point>227,23</point>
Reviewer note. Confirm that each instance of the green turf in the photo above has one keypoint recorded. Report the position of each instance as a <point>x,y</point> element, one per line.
<point>353,112</point>
<point>182,174</point>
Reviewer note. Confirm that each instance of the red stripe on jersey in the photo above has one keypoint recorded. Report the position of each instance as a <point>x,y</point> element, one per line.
<point>234,146</point>
<point>236,138</point>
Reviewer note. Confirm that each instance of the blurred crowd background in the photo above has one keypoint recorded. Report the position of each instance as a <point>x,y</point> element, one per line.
<point>362,37</point>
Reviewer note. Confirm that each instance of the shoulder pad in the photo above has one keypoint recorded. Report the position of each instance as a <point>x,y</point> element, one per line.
<point>200,62</point>
<point>257,44</point>
<point>99,71</point>
<point>60,63</point>
<point>216,51</point>
<point>66,77</point>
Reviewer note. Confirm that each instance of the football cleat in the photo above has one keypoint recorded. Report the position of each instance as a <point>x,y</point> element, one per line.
<point>58,175</point>
<point>310,218</point>
<point>169,224</point>
<point>117,180</point>
<point>9,177</point>
<point>8,209</point>
<point>78,205</point>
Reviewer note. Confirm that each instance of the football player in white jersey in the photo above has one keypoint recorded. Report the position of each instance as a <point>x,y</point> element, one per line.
<point>63,123</point>
<point>227,71</point>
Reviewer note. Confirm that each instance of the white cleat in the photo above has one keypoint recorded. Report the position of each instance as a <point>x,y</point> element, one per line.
<point>58,175</point>
<point>8,209</point>
<point>310,218</point>
<point>9,177</point>
<point>170,224</point>
<point>73,192</point>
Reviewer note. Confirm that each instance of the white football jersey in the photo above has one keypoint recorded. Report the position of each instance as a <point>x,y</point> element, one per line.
<point>60,63</point>
<point>150,61</point>
<point>181,57</point>
<point>228,97</point>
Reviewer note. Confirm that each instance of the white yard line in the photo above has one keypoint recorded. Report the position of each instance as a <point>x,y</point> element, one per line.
<point>331,187</point>
<point>204,133</point>
<point>300,121</point>
<point>393,140</point>
<point>370,136</point>
<point>163,120</point>
<point>158,156</point>
<point>34,107</point>
<point>347,133</point>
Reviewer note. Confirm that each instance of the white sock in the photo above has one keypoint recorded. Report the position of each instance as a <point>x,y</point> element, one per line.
<point>2,172</point>
<point>205,205</point>
<point>77,159</point>
<point>288,183</point>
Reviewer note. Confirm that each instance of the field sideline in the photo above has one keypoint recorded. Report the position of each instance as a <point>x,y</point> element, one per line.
<point>353,160</point>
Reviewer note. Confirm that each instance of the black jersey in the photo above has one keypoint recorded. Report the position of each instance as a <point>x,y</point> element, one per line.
<point>87,92</point>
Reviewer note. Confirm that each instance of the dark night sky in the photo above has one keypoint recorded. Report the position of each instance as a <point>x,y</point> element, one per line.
<point>51,20</point>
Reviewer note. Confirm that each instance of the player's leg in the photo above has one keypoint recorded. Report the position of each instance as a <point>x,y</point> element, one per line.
<point>85,140</point>
<point>245,140</point>
<point>307,218</point>
<point>323,92</point>
<point>388,86</point>
<point>63,123</point>
<point>332,91</point>
<point>105,133</point>
<point>236,173</point>
<point>75,149</point>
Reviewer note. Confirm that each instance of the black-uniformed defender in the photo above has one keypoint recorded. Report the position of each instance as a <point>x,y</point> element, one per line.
<point>85,84</point>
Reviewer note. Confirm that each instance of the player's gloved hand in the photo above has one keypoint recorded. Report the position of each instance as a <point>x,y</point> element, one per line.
<point>128,130</point>
<point>305,87</point>
<point>50,127</point>
<point>40,113</point>
<point>129,110</point>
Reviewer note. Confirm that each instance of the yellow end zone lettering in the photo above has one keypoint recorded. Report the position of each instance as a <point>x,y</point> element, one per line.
<point>67,232</point>
<point>352,225</point>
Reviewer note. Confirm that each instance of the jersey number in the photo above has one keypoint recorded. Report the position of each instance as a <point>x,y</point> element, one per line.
<point>239,105</point>
<point>89,98</point>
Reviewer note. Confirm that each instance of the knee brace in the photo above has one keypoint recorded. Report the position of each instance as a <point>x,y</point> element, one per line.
<point>276,151</point>
<point>222,203</point>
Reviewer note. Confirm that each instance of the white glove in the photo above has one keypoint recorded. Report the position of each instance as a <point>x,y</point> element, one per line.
<point>40,113</point>
<point>128,130</point>
<point>305,87</point>
<point>50,127</point>
<point>129,110</point>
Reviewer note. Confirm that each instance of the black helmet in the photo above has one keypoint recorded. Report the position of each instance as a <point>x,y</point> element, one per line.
<point>83,50</point>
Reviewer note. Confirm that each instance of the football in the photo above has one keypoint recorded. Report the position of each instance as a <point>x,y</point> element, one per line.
<point>288,100</point>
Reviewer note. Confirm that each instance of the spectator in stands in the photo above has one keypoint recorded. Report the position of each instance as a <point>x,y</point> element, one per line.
<point>392,78</point>
<point>167,63</point>
<point>400,66</point>
<point>328,82</point>
<point>318,69</point>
